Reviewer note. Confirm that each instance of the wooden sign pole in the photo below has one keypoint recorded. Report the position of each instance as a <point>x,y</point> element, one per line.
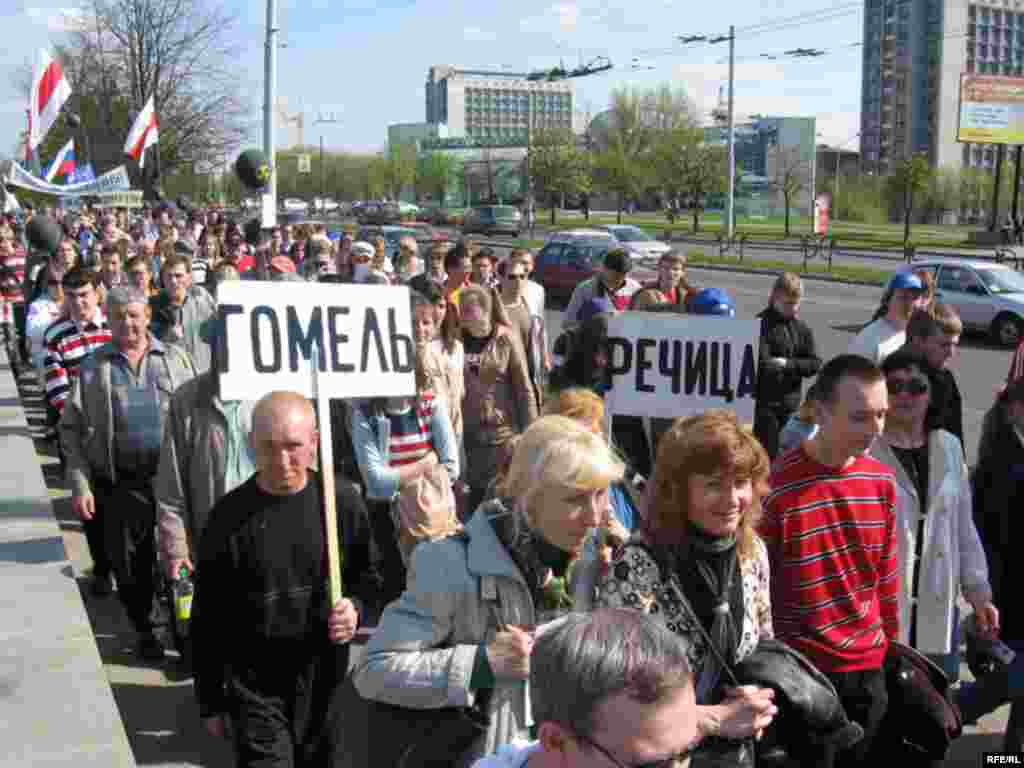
<point>323,405</point>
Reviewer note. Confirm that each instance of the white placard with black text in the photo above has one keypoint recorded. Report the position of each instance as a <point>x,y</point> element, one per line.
<point>359,335</point>
<point>668,366</point>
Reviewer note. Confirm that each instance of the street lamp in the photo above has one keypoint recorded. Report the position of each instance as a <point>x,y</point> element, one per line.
<point>835,181</point>
<point>78,124</point>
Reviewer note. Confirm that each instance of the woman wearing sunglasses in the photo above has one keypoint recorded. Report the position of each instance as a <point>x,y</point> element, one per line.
<point>940,551</point>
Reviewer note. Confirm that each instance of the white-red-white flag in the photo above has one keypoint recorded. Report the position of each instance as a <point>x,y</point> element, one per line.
<point>50,89</point>
<point>144,134</point>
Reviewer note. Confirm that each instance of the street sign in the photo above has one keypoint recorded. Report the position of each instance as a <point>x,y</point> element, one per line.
<point>304,164</point>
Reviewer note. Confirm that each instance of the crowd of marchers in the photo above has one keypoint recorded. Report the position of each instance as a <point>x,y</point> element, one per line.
<point>537,582</point>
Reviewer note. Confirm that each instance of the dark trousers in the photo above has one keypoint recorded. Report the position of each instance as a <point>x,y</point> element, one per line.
<point>864,697</point>
<point>279,708</point>
<point>129,518</point>
<point>95,536</point>
<point>768,423</point>
<point>384,537</point>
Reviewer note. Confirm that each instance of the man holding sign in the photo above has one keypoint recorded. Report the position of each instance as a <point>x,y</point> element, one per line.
<point>268,647</point>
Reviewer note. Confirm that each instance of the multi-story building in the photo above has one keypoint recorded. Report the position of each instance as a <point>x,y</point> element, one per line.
<point>496,105</point>
<point>414,133</point>
<point>914,54</point>
<point>770,150</point>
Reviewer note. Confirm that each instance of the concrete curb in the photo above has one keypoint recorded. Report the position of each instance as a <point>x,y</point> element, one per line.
<point>774,272</point>
<point>56,705</point>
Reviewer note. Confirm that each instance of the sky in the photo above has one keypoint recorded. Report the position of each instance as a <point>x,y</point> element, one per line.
<point>366,61</point>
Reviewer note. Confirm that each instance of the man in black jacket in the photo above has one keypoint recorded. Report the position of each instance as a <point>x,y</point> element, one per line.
<point>268,649</point>
<point>787,357</point>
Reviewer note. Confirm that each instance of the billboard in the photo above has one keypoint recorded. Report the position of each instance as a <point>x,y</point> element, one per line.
<point>991,109</point>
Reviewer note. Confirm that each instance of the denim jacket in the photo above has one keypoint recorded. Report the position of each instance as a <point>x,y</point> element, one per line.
<point>371,436</point>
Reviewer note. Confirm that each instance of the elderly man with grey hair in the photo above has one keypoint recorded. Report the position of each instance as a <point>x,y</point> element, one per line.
<point>609,689</point>
<point>111,429</point>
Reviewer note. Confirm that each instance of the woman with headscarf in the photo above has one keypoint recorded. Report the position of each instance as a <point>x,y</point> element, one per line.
<point>461,633</point>
<point>698,564</point>
<point>499,403</point>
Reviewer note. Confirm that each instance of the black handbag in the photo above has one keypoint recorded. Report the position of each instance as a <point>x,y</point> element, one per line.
<point>921,718</point>
<point>716,751</point>
<point>364,734</point>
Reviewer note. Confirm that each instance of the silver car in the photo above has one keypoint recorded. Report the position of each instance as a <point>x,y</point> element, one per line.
<point>636,241</point>
<point>988,296</point>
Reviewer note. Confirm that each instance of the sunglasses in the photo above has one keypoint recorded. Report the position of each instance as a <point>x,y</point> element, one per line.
<point>681,760</point>
<point>323,264</point>
<point>913,387</point>
<point>516,277</point>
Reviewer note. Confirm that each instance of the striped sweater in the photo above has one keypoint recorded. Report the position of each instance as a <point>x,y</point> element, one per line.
<point>831,538</point>
<point>411,438</point>
<point>67,345</point>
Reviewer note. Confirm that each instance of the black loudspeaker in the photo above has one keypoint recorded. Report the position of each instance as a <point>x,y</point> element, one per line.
<point>252,169</point>
<point>43,233</point>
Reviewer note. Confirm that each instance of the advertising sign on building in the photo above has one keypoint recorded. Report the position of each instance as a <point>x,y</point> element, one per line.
<point>304,164</point>
<point>991,109</point>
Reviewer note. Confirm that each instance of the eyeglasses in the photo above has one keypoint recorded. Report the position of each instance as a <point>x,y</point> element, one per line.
<point>519,276</point>
<point>680,760</point>
<point>323,264</point>
<point>912,387</point>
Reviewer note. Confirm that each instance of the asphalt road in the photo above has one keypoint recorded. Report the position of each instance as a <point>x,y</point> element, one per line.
<point>158,707</point>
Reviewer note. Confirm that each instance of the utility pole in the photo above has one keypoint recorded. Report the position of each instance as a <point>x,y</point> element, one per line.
<point>270,96</point>
<point>731,203</point>
<point>322,118</point>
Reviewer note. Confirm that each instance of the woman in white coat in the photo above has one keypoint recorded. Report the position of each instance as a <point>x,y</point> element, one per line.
<point>941,554</point>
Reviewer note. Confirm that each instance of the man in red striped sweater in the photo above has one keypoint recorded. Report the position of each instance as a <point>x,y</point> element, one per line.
<point>830,530</point>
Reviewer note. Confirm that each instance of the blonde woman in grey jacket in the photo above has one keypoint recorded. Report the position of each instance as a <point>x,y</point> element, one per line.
<point>473,603</point>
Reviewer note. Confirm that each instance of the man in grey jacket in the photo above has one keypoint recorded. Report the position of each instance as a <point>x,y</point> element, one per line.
<point>204,456</point>
<point>110,429</point>
<point>185,314</point>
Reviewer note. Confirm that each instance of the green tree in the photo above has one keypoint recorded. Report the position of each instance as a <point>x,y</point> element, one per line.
<point>622,166</point>
<point>399,168</point>
<point>687,169</point>
<point>944,193</point>
<point>376,178</point>
<point>792,175</point>
<point>434,174</point>
<point>908,186</point>
<point>557,166</point>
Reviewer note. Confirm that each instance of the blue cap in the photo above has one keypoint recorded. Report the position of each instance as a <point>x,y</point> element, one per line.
<point>906,280</point>
<point>711,301</point>
<point>595,306</point>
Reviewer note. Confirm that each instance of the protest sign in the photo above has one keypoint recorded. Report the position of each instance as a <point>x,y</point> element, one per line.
<point>112,181</point>
<point>359,337</point>
<point>668,366</point>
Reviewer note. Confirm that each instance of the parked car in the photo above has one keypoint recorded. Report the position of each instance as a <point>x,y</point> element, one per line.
<point>636,241</point>
<point>569,257</point>
<point>325,205</point>
<point>423,235</point>
<point>492,220</point>
<point>295,205</point>
<point>379,213</point>
<point>988,296</point>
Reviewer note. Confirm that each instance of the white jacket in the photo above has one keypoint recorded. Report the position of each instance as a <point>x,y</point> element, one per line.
<point>952,556</point>
<point>514,755</point>
<point>877,340</point>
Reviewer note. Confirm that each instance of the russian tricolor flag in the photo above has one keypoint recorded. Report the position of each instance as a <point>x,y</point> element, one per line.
<point>64,163</point>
